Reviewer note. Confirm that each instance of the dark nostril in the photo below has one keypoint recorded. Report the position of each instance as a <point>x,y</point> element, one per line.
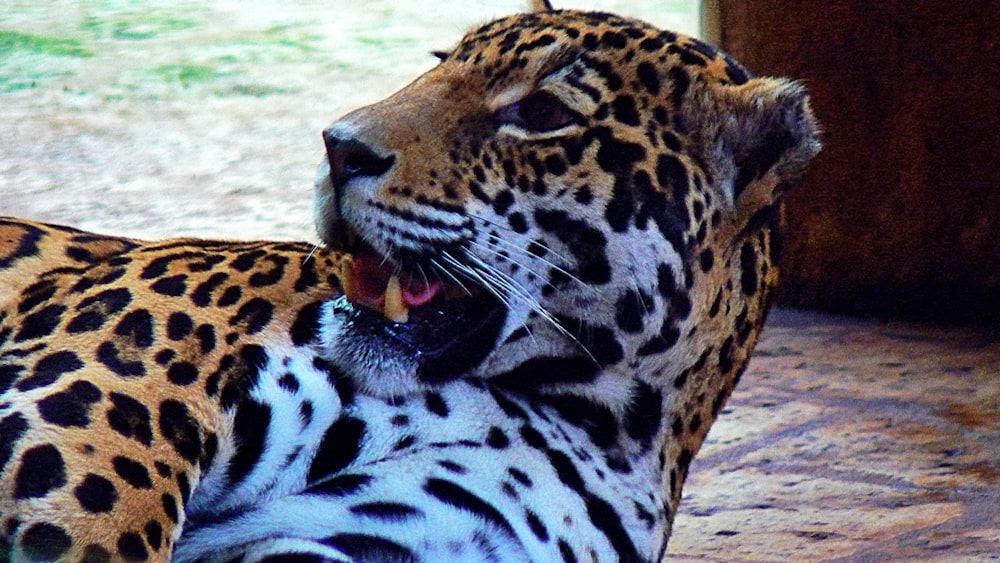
<point>350,158</point>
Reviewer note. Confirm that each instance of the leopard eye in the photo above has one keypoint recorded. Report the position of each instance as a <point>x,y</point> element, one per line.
<point>539,112</point>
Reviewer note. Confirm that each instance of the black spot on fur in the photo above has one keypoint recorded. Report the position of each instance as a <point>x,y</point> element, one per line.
<point>45,542</point>
<point>387,511</point>
<point>496,439</point>
<point>162,469</point>
<point>12,428</point>
<point>184,487</point>
<point>41,323</point>
<point>631,309</point>
<point>208,452</point>
<point>306,325</point>
<point>182,373</point>
<point>643,415</point>
<point>518,223</point>
<point>649,77</point>
<point>94,553</point>
<point>206,337</point>
<point>42,470</point>
<point>341,485</point>
<point>130,418</point>
<point>462,499</point>
<point>503,201</point>
<point>566,552</point>
<point>49,369</point>
<point>453,467</point>
<point>170,507</point>
<point>587,244</point>
<point>436,404</point>
<point>27,245</point>
<point>132,472</point>
<point>726,356</point>
<point>681,81</point>
<point>254,315</point>
<point>154,534</point>
<point>96,494</point>
<point>180,429</point>
<point>246,260</point>
<point>131,547</point>
<point>547,370</point>
<point>110,355</point>
<point>706,260</point>
<point>341,444</point>
<point>95,310</point>
<point>614,156</point>
<point>597,420</point>
<point>537,526</point>
<point>362,547</point>
<point>624,110</point>
<point>202,295</point>
<point>179,326</point>
<point>272,276</point>
<point>174,286</point>
<point>138,327</point>
<point>70,407</point>
<point>8,373</point>
<point>249,432</point>
<point>35,295</point>
<point>289,383</point>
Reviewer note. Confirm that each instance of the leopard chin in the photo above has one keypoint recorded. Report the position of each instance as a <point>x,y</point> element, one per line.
<point>439,342</point>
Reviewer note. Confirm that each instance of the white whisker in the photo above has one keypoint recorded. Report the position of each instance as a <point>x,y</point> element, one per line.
<point>520,292</point>
<point>311,253</point>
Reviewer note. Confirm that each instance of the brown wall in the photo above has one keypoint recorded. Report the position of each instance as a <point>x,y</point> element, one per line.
<point>901,212</point>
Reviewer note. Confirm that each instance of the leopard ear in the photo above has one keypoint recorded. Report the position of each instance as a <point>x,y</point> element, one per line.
<point>757,137</point>
<point>541,6</point>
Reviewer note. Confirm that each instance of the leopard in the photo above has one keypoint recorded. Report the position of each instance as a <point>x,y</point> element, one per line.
<point>545,265</point>
<point>615,192</point>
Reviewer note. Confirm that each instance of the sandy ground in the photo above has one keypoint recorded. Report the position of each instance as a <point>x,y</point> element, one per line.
<point>204,118</point>
<point>847,440</point>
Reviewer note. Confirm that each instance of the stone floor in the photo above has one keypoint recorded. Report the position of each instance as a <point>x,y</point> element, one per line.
<point>852,440</point>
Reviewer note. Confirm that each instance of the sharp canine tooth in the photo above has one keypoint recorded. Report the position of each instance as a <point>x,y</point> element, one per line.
<point>395,308</point>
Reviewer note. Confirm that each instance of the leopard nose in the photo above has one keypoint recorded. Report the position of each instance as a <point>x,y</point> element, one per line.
<point>350,158</point>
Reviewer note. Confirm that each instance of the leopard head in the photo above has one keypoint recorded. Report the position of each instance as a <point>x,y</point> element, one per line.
<point>570,202</point>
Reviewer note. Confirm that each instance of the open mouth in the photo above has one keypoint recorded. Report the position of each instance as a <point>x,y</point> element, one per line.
<point>373,281</point>
<point>448,325</point>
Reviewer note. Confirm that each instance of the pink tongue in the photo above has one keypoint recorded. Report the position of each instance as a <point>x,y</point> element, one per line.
<point>373,273</point>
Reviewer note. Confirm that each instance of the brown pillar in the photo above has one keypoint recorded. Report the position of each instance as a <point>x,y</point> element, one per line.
<point>901,212</point>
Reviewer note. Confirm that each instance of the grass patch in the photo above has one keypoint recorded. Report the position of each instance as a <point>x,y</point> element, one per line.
<point>256,91</point>
<point>16,82</point>
<point>135,29</point>
<point>385,42</point>
<point>187,74</point>
<point>14,41</point>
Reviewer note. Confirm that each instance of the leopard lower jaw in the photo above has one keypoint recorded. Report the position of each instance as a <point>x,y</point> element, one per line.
<point>441,341</point>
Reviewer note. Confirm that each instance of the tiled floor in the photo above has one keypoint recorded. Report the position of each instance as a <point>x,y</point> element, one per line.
<point>856,441</point>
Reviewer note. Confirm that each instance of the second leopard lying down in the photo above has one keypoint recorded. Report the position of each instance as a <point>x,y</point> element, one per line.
<point>563,244</point>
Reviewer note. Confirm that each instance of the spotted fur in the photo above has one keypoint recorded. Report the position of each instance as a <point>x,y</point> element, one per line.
<point>139,382</point>
<point>608,194</point>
